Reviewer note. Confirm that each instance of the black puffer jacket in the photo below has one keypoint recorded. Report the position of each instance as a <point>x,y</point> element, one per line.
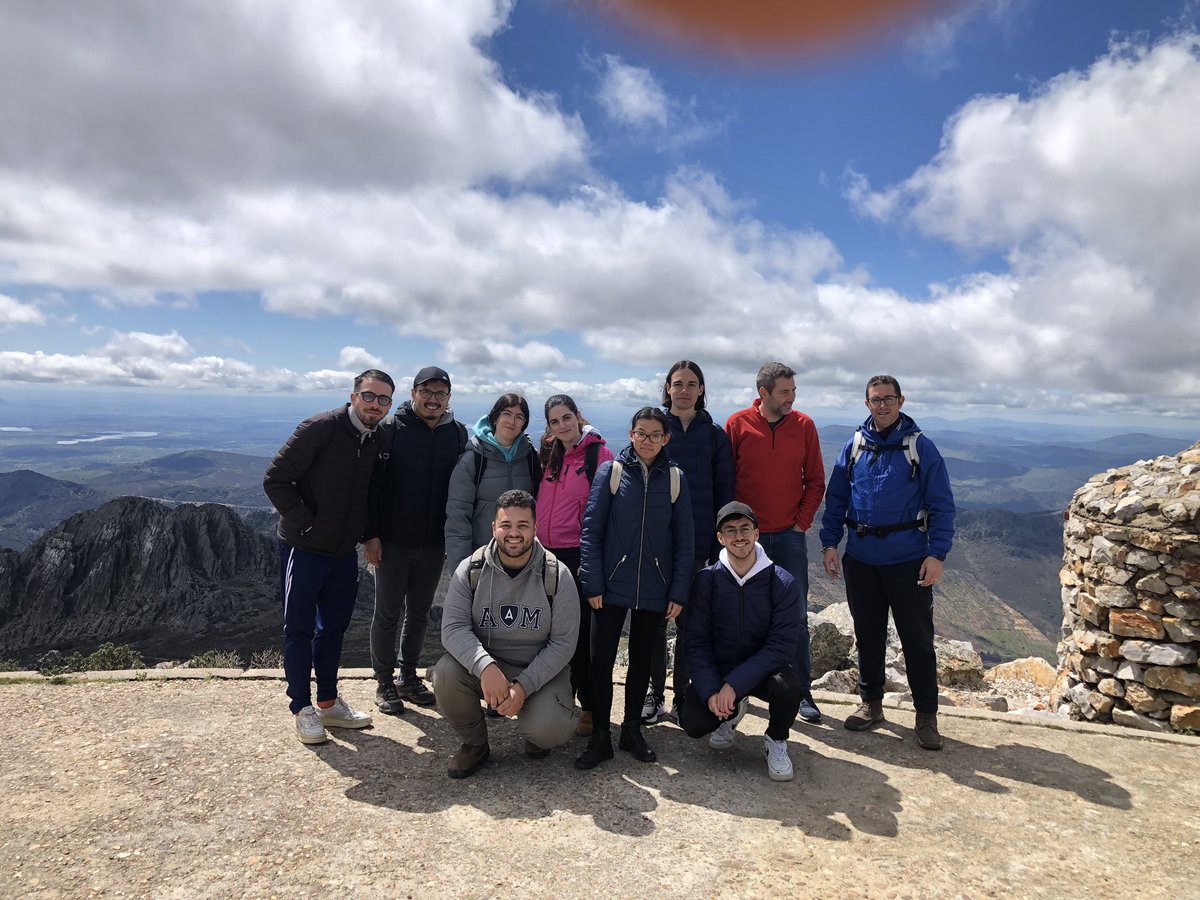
<point>320,480</point>
<point>416,482</point>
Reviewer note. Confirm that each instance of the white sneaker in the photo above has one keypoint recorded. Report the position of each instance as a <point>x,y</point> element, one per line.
<point>308,726</point>
<point>779,764</point>
<point>652,709</point>
<point>342,715</point>
<point>722,738</point>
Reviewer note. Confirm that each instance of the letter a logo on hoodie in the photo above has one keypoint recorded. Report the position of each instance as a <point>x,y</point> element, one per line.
<point>508,614</point>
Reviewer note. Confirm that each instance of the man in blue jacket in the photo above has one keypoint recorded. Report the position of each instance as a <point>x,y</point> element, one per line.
<point>741,642</point>
<point>891,491</point>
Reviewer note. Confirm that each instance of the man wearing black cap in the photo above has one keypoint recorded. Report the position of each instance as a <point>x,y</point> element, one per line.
<point>743,624</point>
<point>422,445</point>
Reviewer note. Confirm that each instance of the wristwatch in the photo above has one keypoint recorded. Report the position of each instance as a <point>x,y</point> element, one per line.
<point>823,549</point>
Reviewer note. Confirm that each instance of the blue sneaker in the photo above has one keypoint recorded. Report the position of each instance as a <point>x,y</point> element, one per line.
<point>808,709</point>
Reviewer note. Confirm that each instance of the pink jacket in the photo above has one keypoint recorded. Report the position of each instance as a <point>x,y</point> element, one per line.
<point>560,503</point>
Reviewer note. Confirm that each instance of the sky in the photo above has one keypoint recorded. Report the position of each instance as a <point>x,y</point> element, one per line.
<point>997,202</point>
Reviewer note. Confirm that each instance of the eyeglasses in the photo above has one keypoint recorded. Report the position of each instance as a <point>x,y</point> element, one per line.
<point>427,394</point>
<point>890,400</point>
<point>372,397</point>
<point>740,531</point>
<point>508,416</point>
<point>656,438</point>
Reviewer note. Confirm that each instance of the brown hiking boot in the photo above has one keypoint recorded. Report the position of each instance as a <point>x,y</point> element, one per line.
<point>533,751</point>
<point>467,760</point>
<point>868,715</point>
<point>927,731</point>
<point>583,728</point>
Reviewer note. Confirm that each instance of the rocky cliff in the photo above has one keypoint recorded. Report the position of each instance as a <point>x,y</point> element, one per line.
<point>135,568</point>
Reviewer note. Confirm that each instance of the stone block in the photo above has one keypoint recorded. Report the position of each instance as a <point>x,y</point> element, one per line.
<point>1136,623</point>
<point>1091,611</point>
<point>957,663</point>
<point>1159,654</point>
<point>1182,609</point>
<point>1098,708</point>
<point>1152,584</point>
<point>1186,717</point>
<point>1180,631</point>
<point>1131,719</point>
<point>1113,595</point>
<point>1128,507</point>
<point>1110,687</point>
<point>1140,559</point>
<point>1151,605</point>
<point>1142,699</point>
<point>843,681</point>
<point>1130,671</point>
<point>1031,668</point>
<point>1100,643</point>
<point>1105,551</point>
<point>1177,679</point>
<point>829,646</point>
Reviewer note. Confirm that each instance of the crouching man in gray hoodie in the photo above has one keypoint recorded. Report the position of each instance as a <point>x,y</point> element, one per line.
<point>509,625</point>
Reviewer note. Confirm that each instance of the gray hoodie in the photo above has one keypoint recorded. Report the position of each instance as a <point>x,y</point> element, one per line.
<point>510,619</point>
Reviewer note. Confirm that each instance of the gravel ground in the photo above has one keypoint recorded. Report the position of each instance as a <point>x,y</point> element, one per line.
<point>199,788</point>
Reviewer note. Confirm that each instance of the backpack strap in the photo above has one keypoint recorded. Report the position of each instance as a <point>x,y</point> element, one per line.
<point>462,437</point>
<point>591,460</point>
<point>908,445</point>
<point>549,573</point>
<point>480,465</point>
<point>475,569</point>
<point>614,479</point>
<point>550,576</point>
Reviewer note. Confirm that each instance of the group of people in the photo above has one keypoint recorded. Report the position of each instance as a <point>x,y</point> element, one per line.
<point>556,547</point>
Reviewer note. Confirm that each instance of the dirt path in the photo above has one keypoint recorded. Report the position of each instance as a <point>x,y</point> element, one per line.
<point>185,788</point>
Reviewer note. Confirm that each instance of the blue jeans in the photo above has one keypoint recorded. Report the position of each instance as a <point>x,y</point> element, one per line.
<point>788,550</point>
<point>318,599</point>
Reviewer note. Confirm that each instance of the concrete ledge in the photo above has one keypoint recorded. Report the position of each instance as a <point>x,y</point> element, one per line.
<point>822,697</point>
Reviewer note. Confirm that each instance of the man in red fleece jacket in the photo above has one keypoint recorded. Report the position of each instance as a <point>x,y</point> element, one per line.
<point>779,473</point>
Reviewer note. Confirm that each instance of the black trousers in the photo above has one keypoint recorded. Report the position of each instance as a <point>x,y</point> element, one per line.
<point>782,691</point>
<point>607,624</point>
<point>873,590</point>
<point>581,661</point>
<point>679,665</point>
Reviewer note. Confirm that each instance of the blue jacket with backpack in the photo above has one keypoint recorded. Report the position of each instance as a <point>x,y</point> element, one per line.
<point>894,499</point>
<point>636,547</point>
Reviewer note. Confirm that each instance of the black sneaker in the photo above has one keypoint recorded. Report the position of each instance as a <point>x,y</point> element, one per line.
<point>599,748</point>
<point>388,700</point>
<point>413,689</point>
<point>634,743</point>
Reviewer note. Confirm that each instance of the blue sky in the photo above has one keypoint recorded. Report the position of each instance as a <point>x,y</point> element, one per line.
<point>998,203</point>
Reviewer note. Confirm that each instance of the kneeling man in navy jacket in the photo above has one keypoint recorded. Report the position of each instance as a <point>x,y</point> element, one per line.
<point>743,624</point>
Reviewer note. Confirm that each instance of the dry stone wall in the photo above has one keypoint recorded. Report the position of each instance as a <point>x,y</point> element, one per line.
<point>1131,597</point>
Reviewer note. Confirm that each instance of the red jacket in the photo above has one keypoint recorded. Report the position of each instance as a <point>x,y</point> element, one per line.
<point>779,473</point>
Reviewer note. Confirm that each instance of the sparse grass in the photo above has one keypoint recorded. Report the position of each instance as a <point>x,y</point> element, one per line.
<point>266,659</point>
<point>9,665</point>
<point>216,659</point>
<point>105,658</point>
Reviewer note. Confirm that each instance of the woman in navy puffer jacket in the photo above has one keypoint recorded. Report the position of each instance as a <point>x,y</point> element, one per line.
<point>637,551</point>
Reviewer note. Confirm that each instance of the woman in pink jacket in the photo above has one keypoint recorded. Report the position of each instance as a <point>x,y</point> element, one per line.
<point>571,451</point>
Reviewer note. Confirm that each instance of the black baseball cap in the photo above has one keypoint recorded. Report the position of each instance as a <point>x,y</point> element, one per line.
<point>736,510</point>
<point>431,373</point>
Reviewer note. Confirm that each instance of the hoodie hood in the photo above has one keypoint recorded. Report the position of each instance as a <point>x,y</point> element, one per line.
<point>485,437</point>
<point>761,561</point>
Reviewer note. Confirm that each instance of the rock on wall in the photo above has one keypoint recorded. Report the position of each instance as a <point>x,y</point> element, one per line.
<point>1131,596</point>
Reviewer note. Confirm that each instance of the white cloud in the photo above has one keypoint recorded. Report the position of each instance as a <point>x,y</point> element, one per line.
<point>141,345</point>
<point>358,359</point>
<point>138,101</point>
<point>14,312</point>
<point>631,95</point>
<point>932,45</point>
<point>501,358</point>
